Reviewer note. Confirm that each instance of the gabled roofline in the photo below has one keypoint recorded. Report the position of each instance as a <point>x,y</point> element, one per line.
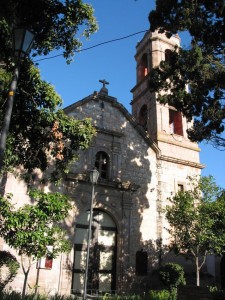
<point>97,96</point>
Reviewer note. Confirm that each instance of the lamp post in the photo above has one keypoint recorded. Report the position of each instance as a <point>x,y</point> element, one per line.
<point>94,174</point>
<point>22,42</point>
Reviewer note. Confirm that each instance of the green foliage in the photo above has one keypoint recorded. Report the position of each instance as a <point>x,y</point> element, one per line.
<point>185,15</point>
<point>12,295</point>
<point>41,135</point>
<point>200,67</point>
<point>108,296</point>
<point>192,218</point>
<point>216,293</point>
<point>172,275</point>
<point>216,212</point>
<point>31,228</point>
<point>210,190</point>
<point>162,295</point>
<point>40,129</point>
<point>10,262</point>
<point>4,80</point>
<point>59,297</point>
<point>196,223</point>
<point>56,24</point>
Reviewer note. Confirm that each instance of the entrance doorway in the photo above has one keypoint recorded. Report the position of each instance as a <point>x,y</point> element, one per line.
<point>102,261</point>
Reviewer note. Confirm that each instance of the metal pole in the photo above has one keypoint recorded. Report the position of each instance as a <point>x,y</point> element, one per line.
<point>8,113</point>
<point>88,244</point>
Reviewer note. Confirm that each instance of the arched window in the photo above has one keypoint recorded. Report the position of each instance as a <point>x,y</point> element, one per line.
<point>143,117</point>
<point>102,164</point>
<point>143,67</point>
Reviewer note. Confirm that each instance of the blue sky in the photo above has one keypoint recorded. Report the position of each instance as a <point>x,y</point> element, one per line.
<point>115,62</point>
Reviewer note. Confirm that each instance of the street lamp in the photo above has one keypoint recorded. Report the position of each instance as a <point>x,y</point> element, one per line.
<point>22,42</point>
<point>94,174</point>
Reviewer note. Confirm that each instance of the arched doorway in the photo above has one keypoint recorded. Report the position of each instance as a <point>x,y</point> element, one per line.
<point>102,262</point>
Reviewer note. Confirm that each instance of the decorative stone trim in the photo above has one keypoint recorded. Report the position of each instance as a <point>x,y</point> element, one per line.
<point>124,186</point>
<point>182,162</point>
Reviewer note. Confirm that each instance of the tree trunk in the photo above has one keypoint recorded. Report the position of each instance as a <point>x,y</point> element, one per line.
<point>25,284</point>
<point>25,272</point>
<point>197,271</point>
<point>8,113</point>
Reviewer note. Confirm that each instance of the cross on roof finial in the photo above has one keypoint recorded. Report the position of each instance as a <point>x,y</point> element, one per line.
<point>104,82</point>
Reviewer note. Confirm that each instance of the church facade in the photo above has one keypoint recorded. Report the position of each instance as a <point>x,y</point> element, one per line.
<point>143,158</point>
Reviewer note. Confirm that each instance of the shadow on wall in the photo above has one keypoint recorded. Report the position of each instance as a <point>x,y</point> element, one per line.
<point>124,197</point>
<point>144,276</point>
<point>126,200</point>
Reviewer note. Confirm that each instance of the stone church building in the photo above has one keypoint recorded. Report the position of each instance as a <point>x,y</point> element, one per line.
<point>143,159</point>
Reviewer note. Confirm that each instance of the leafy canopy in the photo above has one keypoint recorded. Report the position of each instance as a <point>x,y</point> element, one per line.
<point>57,24</point>
<point>200,67</point>
<point>40,129</point>
<point>32,227</point>
<point>197,221</point>
<point>41,134</point>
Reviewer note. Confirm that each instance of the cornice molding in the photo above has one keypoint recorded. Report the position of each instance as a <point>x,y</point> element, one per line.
<point>84,178</point>
<point>182,162</point>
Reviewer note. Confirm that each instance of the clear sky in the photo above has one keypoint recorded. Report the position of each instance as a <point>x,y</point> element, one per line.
<point>114,61</point>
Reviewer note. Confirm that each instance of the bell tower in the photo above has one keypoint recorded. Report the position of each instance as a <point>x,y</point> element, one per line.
<point>178,157</point>
<point>165,125</point>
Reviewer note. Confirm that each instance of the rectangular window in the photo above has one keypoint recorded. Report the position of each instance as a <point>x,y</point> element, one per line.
<point>141,263</point>
<point>175,122</point>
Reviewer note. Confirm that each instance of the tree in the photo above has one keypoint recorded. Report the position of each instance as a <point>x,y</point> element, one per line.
<point>197,221</point>
<point>39,127</point>
<point>55,24</point>
<point>200,67</point>
<point>41,134</point>
<point>31,228</point>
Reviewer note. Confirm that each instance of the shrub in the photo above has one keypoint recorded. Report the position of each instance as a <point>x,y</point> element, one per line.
<point>10,295</point>
<point>10,262</point>
<point>172,275</point>
<point>159,295</point>
<point>108,296</point>
<point>216,293</point>
<point>13,295</point>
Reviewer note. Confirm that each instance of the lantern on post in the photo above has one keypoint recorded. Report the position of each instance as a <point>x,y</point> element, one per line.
<point>94,174</point>
<point>22,41</point>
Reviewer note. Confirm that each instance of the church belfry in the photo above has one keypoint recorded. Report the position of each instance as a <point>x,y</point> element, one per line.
<point>165,125</point>
<point>179,157</point>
